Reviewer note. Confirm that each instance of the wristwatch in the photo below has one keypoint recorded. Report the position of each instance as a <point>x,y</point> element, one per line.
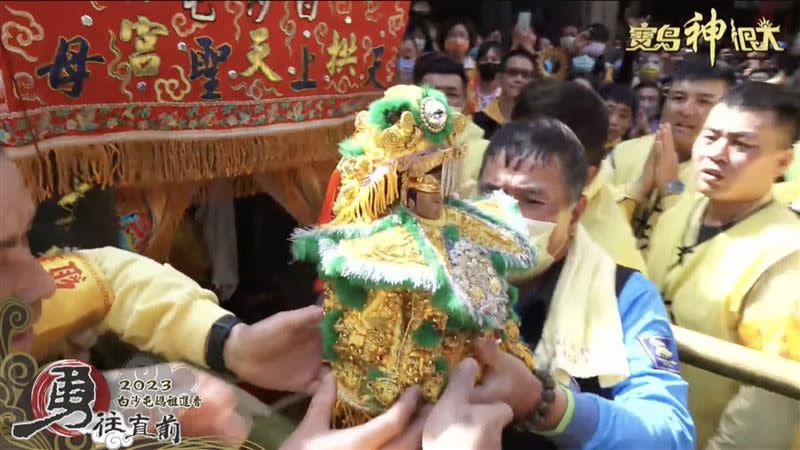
<point>675,187</point>
<point>217,336</point>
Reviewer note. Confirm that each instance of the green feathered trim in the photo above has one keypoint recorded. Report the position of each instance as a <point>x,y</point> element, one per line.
<point>306,249</point>
<point>513,296</point>
<point>349,148</point>
<point>441,364</point>
<point>386,112</point>
<point>499,263</point>
<point>373,373</point>
<point>427,336</point>
<point>349,295</point>
<point>451,233</point>
<point>329,334</point>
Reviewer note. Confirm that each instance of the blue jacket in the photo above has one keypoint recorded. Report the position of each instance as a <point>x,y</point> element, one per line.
<point>649,409</point>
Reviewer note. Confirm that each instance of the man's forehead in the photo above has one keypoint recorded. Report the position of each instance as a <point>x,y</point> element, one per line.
<point>442,80</point>
<point>700,87</point>
<point>739,120</point>
<point>519,62</point>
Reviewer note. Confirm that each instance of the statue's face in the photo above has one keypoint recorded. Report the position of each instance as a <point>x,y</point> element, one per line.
<point>427,205</point>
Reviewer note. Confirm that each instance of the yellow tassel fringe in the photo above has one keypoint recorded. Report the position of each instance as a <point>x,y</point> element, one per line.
<point>144,164</point>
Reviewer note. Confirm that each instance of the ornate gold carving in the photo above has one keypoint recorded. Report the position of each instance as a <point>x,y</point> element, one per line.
<point>288,26</point>
<point>23,87</point>
<point>169,86</point>
<point>119,70</point>
<point>25,37</point>
<point>372,8</point>
<point>397,22</point>
<point>179,21</point>
<point>237,9</point>
<point>256,89</point>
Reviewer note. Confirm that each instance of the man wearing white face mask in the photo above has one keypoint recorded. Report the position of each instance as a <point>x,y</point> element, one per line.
<point>600,330</point>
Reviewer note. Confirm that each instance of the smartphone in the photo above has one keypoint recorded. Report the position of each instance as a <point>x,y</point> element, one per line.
<point>524,20</point>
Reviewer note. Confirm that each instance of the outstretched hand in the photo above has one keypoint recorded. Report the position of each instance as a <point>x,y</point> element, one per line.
<point>458,422</point>
<point>282,352</point>
<point>394,429</point>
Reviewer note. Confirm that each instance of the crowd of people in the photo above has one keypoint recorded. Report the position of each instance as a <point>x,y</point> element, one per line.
<point>659,189</point>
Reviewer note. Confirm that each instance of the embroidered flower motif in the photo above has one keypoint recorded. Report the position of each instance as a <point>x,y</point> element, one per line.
<point>112,122</point>
<point>142,124</point>
<point>71,124</point>
<point>192,124</point>
<point>232,120</point>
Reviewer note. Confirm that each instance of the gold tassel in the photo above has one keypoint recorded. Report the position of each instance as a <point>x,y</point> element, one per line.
<point>148,163</point>
<point>346,416</point>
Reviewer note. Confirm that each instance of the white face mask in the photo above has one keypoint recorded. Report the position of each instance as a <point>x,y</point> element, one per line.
<point>539,233</point>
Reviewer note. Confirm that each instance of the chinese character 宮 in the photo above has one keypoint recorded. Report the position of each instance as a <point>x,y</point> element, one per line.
<point>68,70</point>
<point>205,64</point>
<point>145,62</point>
<point>711,32</point>
<point>642,38</point>
<point>67,276</point>
<point>342,54</point>
<point>258,52</point>
<point>168,428</point>
<point>746,38</point>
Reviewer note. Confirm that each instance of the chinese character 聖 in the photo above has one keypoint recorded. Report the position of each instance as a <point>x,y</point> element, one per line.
<point>145,62</point>
<point>342,54</point>
<point>205,64</point>
<point>258,52</point>
<point>711,32</point>
<point>68,70</point>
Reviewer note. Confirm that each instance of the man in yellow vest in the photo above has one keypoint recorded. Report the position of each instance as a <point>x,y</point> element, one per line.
<point>650,171</point>
<point>585,113</point>
<point>727,260</point>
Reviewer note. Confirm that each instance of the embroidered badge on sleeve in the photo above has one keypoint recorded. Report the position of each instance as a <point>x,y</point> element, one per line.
<point>662,352</point>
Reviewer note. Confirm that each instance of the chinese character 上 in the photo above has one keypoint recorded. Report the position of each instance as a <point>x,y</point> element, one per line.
<point>68,70</point>
<point>258,52</point>
<point>144,60</point>
<point>711,32</point>
<point>342,54</point>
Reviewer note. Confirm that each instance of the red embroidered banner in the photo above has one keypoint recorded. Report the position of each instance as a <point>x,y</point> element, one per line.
<point>88,73</point>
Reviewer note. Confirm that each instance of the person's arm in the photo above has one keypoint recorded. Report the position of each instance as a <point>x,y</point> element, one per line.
<point>770,323</point>
<point>156,308</point>
<point>649,409</point>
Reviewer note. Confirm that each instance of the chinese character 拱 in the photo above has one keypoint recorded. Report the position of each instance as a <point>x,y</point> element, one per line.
<point>68,70</point>
<point>342,54</point>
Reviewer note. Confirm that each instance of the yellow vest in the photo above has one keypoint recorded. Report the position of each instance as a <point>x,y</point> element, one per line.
<point>787,192</point>
<point>472,141</point>
<point>608,226</point>
<point>705,285</point>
